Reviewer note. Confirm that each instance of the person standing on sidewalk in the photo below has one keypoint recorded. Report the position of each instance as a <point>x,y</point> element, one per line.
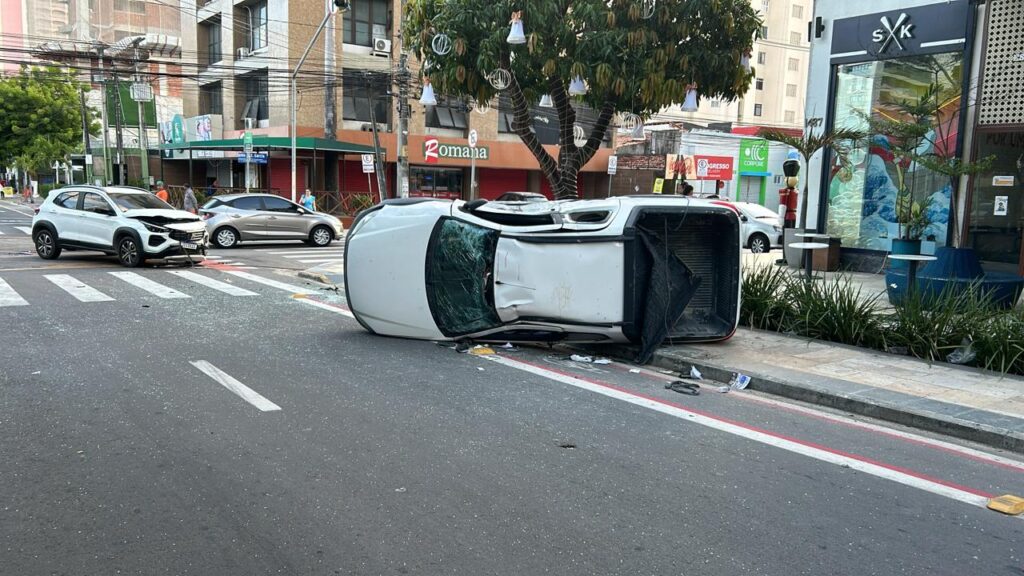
<point>189,201</point>
<point>161,191</point>
<point>308,201</point>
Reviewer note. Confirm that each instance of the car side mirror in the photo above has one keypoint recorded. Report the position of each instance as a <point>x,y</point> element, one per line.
<point>743,218</point>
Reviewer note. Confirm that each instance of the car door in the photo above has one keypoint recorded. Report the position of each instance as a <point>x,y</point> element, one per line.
<point>248,217</point>
<point>63,214</point>
<point>97,221</point>
<point>284,219</point>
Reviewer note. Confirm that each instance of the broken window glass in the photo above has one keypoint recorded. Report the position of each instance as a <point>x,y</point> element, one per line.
<point>460,264</point>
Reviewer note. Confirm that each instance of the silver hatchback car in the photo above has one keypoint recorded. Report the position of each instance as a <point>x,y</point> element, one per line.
<point>235,218</point>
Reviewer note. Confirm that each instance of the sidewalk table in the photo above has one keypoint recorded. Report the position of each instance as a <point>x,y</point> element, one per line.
<point>808,247</point>
<point>913,260</point>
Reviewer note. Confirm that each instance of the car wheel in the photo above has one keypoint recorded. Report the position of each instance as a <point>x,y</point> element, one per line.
<point>321,236</point>
<point>129,253</point>
<point>759,244</point>
<point>47,246</point>
<point>225,238</point>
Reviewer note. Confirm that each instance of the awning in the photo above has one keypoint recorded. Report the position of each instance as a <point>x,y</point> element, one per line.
<point>279,142</point>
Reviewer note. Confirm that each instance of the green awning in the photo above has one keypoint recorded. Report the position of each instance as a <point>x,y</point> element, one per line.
<point>279,142</point>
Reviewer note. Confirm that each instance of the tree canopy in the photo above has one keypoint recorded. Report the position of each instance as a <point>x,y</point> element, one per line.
<point>630,63</point>
<point>40,118</point>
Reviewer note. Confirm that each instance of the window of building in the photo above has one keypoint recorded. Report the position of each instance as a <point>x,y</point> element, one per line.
<point>790,116</point>
<point>435,182</point>
<point>757,109</point>
<point>213,42</point>
<point>136,6</point>
<point>791,90</point>
<point>759,83</point>
<point>796,38</point>
<point>765,4</point>
<point>448,113</point>
<point>257,98</point>
<point>357,93</point>
<point>257,14</point>
<point>764,32</point>
<point>794,65</point>
<point>211,98</point>
<point>366,20</point>
<point>798,11</point>
<point>762,57</point>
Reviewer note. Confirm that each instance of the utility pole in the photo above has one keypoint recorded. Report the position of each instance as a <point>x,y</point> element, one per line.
<point>402,156</point>
<point>330,165</point>
<point>381,183</point>
<point>86,137</point>
<point>106,125</point>
<point>118,120</point>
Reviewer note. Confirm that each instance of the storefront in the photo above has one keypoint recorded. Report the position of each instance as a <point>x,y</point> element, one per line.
<point>877,62</point>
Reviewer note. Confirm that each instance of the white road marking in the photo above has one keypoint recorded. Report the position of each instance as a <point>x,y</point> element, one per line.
<point>78,289</point>
<point>243,391</point>
<point>321,260</point>
<point>208,257</point>
<point>304,253</point>
<point>15,210</point>
<point>272,283</point>
<point>148,285</point>
<point>1,232</point>
<point>25,229</point>
<point>211,283</point>
<point>328,307</point>
<point>881,471</point>
<point>8,297</point>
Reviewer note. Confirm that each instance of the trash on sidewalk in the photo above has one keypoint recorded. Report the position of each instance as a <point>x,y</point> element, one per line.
<point>688,388</point>
<point>964,354</point>
<point>481,351</point>
<point>739,381</point>
<point>723,389</point>
<point>695,374</point>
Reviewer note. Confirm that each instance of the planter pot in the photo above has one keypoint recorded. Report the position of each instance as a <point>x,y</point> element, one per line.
<point>900,246</point>
<point>346,221</point>
<point>956,269</point>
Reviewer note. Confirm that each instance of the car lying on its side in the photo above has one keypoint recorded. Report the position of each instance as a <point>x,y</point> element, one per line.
<point>626,269</point>
<point>128,222</point>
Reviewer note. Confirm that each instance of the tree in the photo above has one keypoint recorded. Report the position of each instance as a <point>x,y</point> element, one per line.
<point>630,64</point>
<point>40,118</point>
<point>839,141</point>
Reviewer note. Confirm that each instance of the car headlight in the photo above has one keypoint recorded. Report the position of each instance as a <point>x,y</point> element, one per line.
<point>156,229</point>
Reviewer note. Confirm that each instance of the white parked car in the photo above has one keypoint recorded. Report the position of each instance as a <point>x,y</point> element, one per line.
<point>625,269</point>
<point>762,228</point>
<point>130,223</point>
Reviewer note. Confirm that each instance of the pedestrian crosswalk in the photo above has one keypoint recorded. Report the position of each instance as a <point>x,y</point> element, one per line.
<point>213,259</point>
<point>97,286</point>
<point>312,256</point>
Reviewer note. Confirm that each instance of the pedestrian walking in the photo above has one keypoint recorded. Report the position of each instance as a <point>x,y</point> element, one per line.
<point>28,194</point>
<point>190,202</point>
<point>308,201</point>
<point>211,189</point>
<point>161,191</point>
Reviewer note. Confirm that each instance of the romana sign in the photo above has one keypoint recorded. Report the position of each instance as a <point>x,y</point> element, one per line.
<point>434,150</point>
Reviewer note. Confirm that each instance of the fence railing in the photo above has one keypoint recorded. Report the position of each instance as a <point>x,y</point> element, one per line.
<point>338,203</point>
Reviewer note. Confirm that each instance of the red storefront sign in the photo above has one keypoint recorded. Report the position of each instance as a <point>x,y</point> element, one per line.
<point>713,167</point>
<point>430,150</point>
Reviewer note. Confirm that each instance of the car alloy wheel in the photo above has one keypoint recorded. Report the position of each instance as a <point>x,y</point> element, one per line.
<point>758,244</point>
<point>226,238</point>
<point>321,236</point>
<point>128,252</point>
<point>44,244</point>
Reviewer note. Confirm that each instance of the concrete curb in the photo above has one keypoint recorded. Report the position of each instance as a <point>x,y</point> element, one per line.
<point>988,435</point>
<point>316,277</point>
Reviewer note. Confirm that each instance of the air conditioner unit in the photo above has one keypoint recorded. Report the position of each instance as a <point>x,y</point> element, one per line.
<point>382,47</point>
<point>368,127</point>
<point>242,53</point>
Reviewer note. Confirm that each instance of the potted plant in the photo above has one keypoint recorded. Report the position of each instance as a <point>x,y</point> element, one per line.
<point>352,205</point>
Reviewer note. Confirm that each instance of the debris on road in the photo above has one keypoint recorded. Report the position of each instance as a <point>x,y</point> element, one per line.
<point>579,358</point>
<point>739,381</point>
<point>481,351</point>
<point>634,371</point>
<point>695,374</point>
<point>964,354</point>
<point>688,388</point>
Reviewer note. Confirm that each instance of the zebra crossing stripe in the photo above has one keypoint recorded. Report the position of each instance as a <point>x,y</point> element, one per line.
<point>148,285</point>
<point>322,260</point>
<point>272,283</point>
<point>211,283</point>
<point>79,290</point>
<point>25,229</point>
<point>8,297</point>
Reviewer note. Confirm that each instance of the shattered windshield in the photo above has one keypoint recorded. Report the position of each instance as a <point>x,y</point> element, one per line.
<point>460,264</point>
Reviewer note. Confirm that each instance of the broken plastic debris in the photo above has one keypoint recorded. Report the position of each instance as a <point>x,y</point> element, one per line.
<point>578,358</point>
<point>688,388</point>
<point>508,346</point>
<point>481,351</point>
<point>695,374</point>
<point>723,389</point>
<point>739,381</point>
<point>402,489</point>
<point>602,361</point>
<point>479,368</point>
<point>36,372</point>
<point>634,371</point>
<point>964,354</point>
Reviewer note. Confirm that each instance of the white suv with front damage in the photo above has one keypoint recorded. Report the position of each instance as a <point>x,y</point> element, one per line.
<point>129,223</point>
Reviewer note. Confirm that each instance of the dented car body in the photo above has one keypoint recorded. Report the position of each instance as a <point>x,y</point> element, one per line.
<point>625,269</point>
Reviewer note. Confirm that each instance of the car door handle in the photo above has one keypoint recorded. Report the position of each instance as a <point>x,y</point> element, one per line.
<point>271,217</point>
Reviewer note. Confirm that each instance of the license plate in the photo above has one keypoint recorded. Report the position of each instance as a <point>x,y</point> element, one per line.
<point>190,245</point>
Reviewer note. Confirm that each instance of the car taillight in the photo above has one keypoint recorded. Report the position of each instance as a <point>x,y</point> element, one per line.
<point>206,215</point>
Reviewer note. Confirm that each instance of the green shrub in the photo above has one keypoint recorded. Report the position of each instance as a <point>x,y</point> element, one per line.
<point>835,310</point>
<point>931,327</point>
<point>359,202</point>
<point>1000,345</point>
<point>762,306</point>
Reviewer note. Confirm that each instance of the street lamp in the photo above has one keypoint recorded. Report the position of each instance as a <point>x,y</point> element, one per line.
<point>333,7</point>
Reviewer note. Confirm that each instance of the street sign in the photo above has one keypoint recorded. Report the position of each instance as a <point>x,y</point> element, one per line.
<point>247,142</point>
<point>613,165</point>
<point>472,138</point>
<point>142,92</point>
<point>368,164</point>
<point>659,185</point>
<point>250,158</point>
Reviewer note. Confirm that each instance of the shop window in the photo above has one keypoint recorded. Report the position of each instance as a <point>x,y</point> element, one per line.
<point>358,91</point>
<point>996,210</point>
<point>366,20</point>
<point>448,113</point>
<point>757,109</point>
<point>435,182</point>
<point>211,98</point>
<point>862,200</point>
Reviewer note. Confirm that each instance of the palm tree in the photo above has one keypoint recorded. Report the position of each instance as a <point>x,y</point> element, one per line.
<point>839,141</point>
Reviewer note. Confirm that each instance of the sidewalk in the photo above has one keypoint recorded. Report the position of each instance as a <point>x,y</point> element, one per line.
<point>963,402</point>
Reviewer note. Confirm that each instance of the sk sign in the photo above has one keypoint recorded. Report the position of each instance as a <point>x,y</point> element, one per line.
<point>891,33</point>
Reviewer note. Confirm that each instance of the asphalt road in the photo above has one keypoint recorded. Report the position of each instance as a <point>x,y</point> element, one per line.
<point>238,429</point>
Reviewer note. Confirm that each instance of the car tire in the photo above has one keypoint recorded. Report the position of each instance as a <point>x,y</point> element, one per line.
<point>759,244</point>
<point>320,236</point>
<point>47,244</point>
<point>226,237</point>
<point>129,251</point>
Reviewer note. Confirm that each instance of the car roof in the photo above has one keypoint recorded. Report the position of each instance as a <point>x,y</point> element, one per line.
<point>248,195</point>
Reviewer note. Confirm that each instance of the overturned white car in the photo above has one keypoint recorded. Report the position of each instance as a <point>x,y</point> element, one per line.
<point>639,269</point>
